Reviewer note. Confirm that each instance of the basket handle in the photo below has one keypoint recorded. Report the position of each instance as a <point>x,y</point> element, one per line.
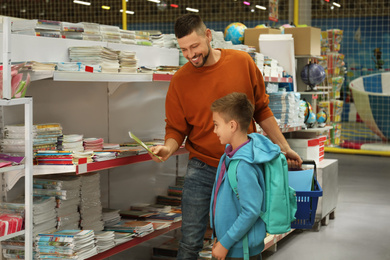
<point>311,162</point>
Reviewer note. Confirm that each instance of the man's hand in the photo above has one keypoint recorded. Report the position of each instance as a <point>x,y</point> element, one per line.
<point>161,151</point>
<point>219,252</point>
<point>164,151</point>
<point>293,159</point>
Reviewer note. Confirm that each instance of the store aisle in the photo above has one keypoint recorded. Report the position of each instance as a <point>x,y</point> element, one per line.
<point>361,227</point>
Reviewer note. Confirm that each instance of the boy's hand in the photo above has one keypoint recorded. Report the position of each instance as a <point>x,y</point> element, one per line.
<point>219,252</point>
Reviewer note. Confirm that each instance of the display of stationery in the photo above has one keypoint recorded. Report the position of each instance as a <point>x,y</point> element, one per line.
<point>104,240</point>
<point>111,216</point>
<point>37,27</point>
<point>128,62</point>
<point>139,228</point>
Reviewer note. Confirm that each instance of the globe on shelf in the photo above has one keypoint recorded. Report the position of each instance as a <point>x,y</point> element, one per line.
<point>313,74</point>
<point>322,116</point>
<point>261,26</point>
<point>234,32</point>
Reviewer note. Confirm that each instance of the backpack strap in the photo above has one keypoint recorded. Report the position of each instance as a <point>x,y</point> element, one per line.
<point>232,175</point>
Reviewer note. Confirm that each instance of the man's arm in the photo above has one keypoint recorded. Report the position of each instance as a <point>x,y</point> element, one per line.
<point>270,126</point>
<point>165,151</point>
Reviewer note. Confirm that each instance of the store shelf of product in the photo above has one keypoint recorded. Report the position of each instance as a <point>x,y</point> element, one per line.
<point>101,77</point>
<point>98,166</point>
<point>278,79</point>
<point>134,242</point>
<point>19,233</point>
<point>272,240</point>
<point>162,76</point>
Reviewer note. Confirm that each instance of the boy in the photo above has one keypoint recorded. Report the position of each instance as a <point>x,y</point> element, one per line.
<point>230,217</point>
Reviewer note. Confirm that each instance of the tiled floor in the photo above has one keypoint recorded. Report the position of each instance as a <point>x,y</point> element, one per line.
<point>361,229</point>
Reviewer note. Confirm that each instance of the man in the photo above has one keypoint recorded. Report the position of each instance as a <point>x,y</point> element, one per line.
<point>209,75</point>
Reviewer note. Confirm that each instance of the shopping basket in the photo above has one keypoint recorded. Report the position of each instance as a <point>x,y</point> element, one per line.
<point>307,202</point>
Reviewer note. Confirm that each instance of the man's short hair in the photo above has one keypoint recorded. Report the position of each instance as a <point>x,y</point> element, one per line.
<point>188,23</point>
<point>235,106</point>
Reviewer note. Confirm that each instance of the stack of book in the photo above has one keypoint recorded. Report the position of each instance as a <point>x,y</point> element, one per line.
<point>82,157</point>
<point>13,248</point>
<point>104,240</point>
<point>66,244</point>
<point>127,37</point>
<point>111,216</point>
<point>122,237</point>
<point>66,190</point>
<point>44,214</point>
<point>54,158</point>
<point>128,62</point>
<point>136,227</point>
<point>91,206</point>
<point>72,30</point>
<point>285,107</point>
<point>92,32</point>
<point>110,33</point>
<point>94,55</point>
<point>72,142</point>
<point>37,27</point>
<point>142,38</point>
<point>93,144</point>
<point>44,137</point>
<point>103,156</point>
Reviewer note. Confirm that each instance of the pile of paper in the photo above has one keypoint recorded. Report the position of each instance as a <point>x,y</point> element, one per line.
<point>44,214</point>
<point>13,248</point>
<point>128,62</point>
<point>44,137</point>
<point>72,30</point>
<point>285,107</point>
<point>103,156</point>
<point>138,228</point>
<point>104,240</point>
<point>111,216</point>
<point>68,188</point>
<point>110,33</point>
<point>127,37</point>
<point>37,27</point>
<point>66,244</point>
<point>96,55</point>
<point>73,142</point>
<point>93,144</point>
<point>82,157</point>
<point>92,32</point>
<point>121,237</point>
<point>142,38</point>
<point>90,205</point>
<point>163,40</point>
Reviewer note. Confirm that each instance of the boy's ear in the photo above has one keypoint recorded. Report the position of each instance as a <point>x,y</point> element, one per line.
<point>233,125</point>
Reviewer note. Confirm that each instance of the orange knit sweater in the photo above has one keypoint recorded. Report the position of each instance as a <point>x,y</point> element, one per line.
<point>193,90</point>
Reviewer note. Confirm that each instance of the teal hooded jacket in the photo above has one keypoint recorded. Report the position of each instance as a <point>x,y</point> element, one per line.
<point>234,218</point>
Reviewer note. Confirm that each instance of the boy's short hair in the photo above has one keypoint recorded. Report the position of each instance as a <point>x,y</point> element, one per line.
<point>188,23</point>
<point>235,106</point>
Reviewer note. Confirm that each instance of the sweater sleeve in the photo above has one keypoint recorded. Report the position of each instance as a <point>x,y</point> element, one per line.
<point>262,111</point>
<point>176,125</point>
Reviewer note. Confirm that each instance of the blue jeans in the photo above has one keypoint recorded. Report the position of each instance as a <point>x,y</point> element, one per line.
<point>195,204</point>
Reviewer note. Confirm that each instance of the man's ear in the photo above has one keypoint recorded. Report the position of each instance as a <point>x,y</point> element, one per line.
<point>209,35</point>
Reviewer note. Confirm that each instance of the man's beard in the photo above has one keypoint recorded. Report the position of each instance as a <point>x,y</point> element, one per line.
<point>204,59</point>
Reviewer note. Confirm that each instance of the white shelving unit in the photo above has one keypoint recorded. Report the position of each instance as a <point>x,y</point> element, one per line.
<point>28,121</point>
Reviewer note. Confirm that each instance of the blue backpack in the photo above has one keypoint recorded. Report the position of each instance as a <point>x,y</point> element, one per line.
<point>280,198</point>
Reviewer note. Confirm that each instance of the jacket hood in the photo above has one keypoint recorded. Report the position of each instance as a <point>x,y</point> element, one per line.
<point>259,150</point>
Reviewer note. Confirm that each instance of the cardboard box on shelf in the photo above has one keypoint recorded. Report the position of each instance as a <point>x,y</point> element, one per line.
<point>307,40</point>
<point>251,35</point>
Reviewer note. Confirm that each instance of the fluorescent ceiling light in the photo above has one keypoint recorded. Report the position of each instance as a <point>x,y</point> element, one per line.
<point>155,1</point>
<point>81,2</point>
<point>336,4</point>
<point>261,7</point>
<point>246,3</point>
<point>106,7</point>
<point>192,10</point>
<point>128,12</point>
